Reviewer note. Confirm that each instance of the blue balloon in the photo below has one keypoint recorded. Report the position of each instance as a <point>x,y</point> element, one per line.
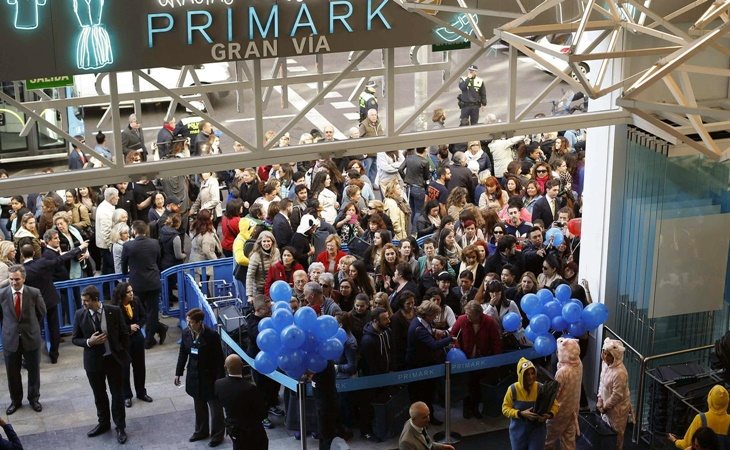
<point>292,337</point>
<point>571,312</point>
<point>545,296</point>
<point>553,309</point>
<point>331,349</point>
<point>540,324</point>
<point>341,335</point>
<point>511,322</point>
<point>602,312</point>
<point>291,360</point>
<point>545,345</point>
<point>563,292</point>
<point>456,356</point>
<point>268,341</point>
<point>577,329</point>
<point>530,304</point>
<point>577,302</point>
<point>556,235</point>
<point>280,291</point>
<point>311,344</point>
<point>281,305</point>
<point>325,328</point>
<point>559,324</point>
<point>265,363</point>
<point>305,318</point>
<point>315,363</point>
<point>591,316</point>
<point>529,334</point>
<point>296,373</point>
<point>282,319</point>
<point>265,324</point>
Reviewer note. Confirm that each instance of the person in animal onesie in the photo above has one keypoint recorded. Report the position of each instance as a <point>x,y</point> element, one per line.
<point>614,398</point>
<point>564,426</point>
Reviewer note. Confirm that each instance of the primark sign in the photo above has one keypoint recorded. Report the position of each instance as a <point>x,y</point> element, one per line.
<point>68,37</point>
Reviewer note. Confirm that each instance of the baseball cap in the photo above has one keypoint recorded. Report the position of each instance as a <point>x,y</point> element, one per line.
<point>473,67</point>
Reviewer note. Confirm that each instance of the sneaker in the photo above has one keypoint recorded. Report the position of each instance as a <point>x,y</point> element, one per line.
<point>276,411</point>
<point>267,424</point>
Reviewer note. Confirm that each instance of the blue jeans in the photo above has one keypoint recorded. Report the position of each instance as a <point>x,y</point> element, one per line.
<point>5,231</point>
<point>416,200</point>
<point>371,168</point>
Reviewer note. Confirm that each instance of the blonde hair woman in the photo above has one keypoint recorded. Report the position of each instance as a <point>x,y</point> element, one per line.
<point>397,209</point>
<point>7,259</point>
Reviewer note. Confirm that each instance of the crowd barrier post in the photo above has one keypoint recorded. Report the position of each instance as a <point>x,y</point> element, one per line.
<point>447,436</point>
<point>302,395</point>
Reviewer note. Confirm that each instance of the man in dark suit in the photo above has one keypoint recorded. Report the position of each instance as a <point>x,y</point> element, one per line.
<point>280,225</point>
<point>546,208</point>
<point>42,273</point>
<point>244,406</point>
<point>506,254</point>
<point>21,313</point>
<point>461,176</point>
<point>104,335</point>
<point>13,441</point>
<point>141,260</point>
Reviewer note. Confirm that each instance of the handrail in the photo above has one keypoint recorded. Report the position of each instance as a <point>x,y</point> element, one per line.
<point>643,362</point>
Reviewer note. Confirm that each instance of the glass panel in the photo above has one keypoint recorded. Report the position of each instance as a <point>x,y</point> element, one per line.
<point>10,139</point>
<point>46,136</point>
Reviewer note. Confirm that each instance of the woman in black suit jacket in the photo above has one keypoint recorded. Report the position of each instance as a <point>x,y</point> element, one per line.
<point>201,350</point>
<point>134,316</point>
<point>425,347</point>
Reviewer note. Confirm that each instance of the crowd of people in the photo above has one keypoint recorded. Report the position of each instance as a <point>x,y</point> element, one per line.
<point>410,248</point>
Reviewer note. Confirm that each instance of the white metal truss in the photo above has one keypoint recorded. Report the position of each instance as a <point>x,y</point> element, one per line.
<point>616,22</point>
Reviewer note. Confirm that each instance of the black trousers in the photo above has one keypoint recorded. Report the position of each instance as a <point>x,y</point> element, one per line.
<point>254,439</point>
<point>107,261</point>
<point>469,115</point>
<point>325,398</point>
<point>54,329</point>
<point>111,374</point>
<point>269,388</point>
<point>13,361</point>
<point>151,302</point>
<point>137,362</point>
<point>203,426</point>
<point>423,391</point>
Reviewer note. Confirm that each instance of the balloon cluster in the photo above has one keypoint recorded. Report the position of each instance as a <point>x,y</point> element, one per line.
<point>296,343</point>
<point>560,313</point>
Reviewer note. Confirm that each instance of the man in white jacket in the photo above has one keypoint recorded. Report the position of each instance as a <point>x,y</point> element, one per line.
<point>104,223</point>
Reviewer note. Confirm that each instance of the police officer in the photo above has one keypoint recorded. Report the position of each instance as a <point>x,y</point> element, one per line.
<point>473,96</point>
<point>368,100</point>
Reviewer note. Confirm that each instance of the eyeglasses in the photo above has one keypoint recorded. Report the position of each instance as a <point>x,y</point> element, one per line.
<point>325,285</point>
<point>546,267</point>
<point>498,232</point>
<point>541,171</point>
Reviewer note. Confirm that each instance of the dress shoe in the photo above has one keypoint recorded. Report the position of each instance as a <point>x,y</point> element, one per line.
<point>128,402</point>
<point>36,405</point>
<point>162,333</point>
<point>54,359</point>
<point>121,435</point>
<point>149,344</point>
<point>197,437</point>
<point>145,398</point>
<point>99,429</point>
<point>12,408</point>
<point>215,442</point>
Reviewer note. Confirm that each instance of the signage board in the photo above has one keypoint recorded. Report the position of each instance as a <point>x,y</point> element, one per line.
<point>49,82</point>
<point>67,37</point>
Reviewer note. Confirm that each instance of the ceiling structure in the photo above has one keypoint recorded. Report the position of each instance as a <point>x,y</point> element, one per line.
<point>653,57</point>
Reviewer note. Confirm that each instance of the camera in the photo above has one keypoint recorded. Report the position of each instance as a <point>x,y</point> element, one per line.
<point>559,224</point>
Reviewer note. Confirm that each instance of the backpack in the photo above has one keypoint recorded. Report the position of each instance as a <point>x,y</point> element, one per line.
<point>724,440</point>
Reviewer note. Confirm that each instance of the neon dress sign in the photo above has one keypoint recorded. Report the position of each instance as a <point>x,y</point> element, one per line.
<point>26,13</point>
<point>93,49</point>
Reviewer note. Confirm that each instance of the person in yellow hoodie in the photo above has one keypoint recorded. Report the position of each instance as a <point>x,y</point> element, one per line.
<point>527,430</point>
<point>246,228</point>
<point>715,418</point>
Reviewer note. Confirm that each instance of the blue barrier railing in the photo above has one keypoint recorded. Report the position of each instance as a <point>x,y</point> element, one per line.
<point>175,276</point>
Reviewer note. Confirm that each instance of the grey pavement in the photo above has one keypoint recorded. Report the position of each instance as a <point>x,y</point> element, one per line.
<point>167,423</point>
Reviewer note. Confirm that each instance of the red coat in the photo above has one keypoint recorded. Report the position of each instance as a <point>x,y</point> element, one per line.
<point>488,340</point>
<point>323,257</point>
<point>278,272</point>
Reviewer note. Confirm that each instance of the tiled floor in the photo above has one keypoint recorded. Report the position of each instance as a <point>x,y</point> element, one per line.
<point>68,410</point>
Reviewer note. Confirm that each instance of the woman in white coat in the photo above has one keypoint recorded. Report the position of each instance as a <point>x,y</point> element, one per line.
<point>209,196</point>
<point>388,164</point>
